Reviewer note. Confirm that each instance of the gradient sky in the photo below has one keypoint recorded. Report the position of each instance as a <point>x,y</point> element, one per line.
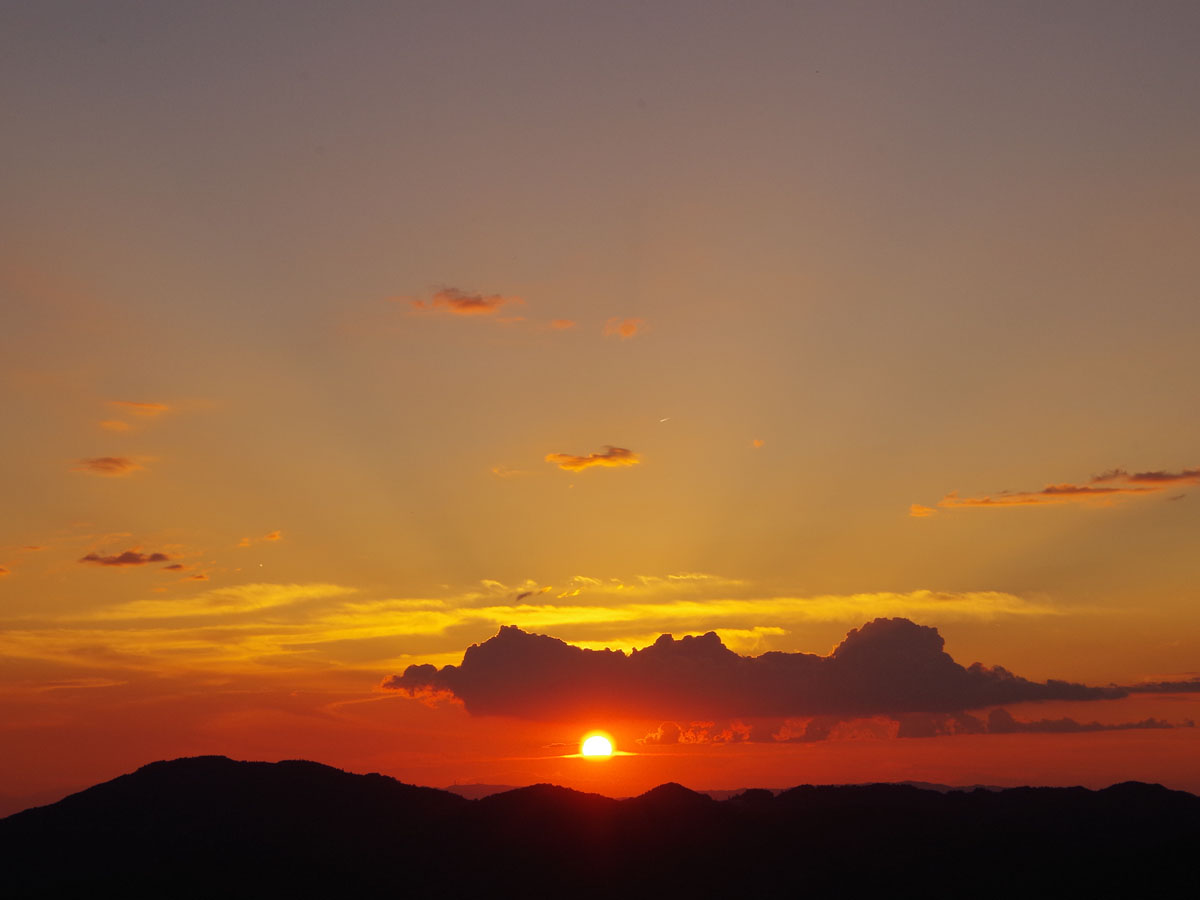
<point>337,336</point>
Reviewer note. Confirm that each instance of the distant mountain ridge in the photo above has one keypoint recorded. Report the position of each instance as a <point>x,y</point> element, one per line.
<point>479,791</point>
<point>210,826</point>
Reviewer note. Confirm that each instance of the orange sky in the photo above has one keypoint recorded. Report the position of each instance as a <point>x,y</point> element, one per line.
<point>335,341</point>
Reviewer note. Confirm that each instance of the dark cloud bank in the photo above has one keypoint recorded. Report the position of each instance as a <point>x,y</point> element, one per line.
<point>888,667</point>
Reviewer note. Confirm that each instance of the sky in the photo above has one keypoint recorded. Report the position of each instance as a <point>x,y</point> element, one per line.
<point>337,338</point>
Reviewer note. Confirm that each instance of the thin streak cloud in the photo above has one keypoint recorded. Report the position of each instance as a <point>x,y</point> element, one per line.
<point>108,466</point>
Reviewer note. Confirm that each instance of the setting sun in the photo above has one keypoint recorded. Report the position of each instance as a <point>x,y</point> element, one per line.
<point>596,745</point>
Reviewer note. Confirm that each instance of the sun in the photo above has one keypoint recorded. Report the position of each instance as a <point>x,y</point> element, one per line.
<point>596,745</point>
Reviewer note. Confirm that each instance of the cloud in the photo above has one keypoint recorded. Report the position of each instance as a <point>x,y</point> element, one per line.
<point>503,471</point>
<point>4,571</point>
<point>176,567</point>
<point>900,725</point>
<point>1186,476</point>
<point>562,324</point>
<point>128,558</point>
<point>238,600</point>
<point>115,425</point>
<point>1109,485</point>
<point>920,512</point>
<point>460,303</point>
<point>757,443</point>
<point>887,666</point>
<point>269,536</point>
<point>108,466</point>
<point>140,409</point>
<point>611,457</point>
<point>1000,721</point>
<point>199,576</point>
<point>622,328</point>
<point>1192,686</point>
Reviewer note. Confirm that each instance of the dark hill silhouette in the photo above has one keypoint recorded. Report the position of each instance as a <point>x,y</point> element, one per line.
<point>209,827</point>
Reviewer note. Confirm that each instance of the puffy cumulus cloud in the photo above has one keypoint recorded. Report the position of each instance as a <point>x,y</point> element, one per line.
<point>622,328</point>
<point>140,409</point>
<point>887,666</point>
<point>612,457</point>
<point>108,466</point>
<point>1107,486</point>
<point>128,558</point>
<point>700,733</point>
<point>460,303</point>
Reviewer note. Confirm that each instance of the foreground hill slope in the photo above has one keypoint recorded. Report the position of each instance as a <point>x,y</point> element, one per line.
<point>210,826</point>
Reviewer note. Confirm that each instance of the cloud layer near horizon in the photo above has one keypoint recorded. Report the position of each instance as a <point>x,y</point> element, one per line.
<point>886,667</point>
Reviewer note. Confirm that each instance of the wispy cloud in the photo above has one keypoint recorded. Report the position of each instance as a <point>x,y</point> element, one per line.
<point>140,409</point>
<point>503,471</point>
<point>918,511</point>
<point>622,328</point>
<point>127,558</point>
<point>562,324</point>
<point>115,425</point>
<point>4,571</point>
<point>1107,486</point>
<point>611,457</point>
<point>270,536</point>
<point>460,303</point>
<point>108,466</point>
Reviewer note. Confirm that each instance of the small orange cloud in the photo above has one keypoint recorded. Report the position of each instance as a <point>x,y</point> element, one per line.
<point>176,567</point>
<point>133,557</point>
<point>140,409</point>
<point>108,466</point>
<point>757,442</point>
<point>612,457</point>
<point>199,576</point>
<point>562,324</point>
<point>114,425</point>
<point>920,512</point>
<point>4,571</point>
<point>269,536</point>
<point>623,328</point>
<point>460,303</point>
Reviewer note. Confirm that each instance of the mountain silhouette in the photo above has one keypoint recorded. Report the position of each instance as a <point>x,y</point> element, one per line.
<point>213,827</point>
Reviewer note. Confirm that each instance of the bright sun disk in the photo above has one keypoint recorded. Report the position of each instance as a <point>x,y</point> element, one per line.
<point>596,745</point>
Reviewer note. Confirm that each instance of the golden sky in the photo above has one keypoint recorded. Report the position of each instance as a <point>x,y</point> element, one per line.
<point>334,340</point>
